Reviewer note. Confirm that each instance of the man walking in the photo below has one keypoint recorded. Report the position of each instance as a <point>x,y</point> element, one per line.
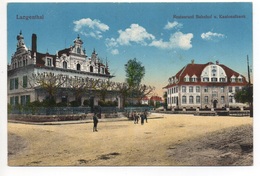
<point>95,121</point>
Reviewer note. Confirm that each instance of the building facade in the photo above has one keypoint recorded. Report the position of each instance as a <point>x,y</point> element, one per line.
<point>210,85</point>
<point>71,62</point>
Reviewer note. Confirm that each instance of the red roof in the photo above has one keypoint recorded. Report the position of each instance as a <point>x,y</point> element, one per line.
<point>156,98</point>
<point>196,69</point>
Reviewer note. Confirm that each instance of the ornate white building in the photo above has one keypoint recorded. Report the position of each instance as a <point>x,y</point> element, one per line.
<point>204,86</point>
<point>71,62</point>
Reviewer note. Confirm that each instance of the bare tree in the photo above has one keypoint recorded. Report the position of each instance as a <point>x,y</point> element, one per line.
<point>48,82</point>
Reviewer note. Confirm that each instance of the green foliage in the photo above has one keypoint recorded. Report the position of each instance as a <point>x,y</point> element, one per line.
<point>75,104</point>
<point>134,72</point>
<point>245,95</point>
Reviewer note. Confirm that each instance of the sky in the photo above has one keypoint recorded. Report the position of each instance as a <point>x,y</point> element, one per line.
<point>153,33</point>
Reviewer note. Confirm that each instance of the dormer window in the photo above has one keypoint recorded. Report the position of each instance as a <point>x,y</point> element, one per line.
<point>240,79</point>
<point>48,62</point>
<point>78,50</point>
<point>233,79</point>
<point>65,64</point>
<point>194,78</point>
<point>187,78</point>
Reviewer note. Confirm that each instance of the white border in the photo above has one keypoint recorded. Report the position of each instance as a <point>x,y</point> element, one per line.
<point>5,170</point>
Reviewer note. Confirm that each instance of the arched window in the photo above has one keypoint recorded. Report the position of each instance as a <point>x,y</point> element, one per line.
<point>78,50</point>
<point>191,99</point>
<point>91,69</point>
<point>64,64</point>
<point>78,66</point>
<point>197,99</point>
<point>184,99</point>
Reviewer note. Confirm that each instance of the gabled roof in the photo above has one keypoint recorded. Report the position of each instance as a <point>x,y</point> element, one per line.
<point>196,69</point>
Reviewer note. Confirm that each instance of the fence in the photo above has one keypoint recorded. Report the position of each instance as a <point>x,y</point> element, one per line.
<point>74,110</point>
<point>51,110</point>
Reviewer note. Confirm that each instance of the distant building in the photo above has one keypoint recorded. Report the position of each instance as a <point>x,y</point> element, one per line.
<point>71,62</point>
<point>210,85</point>
<point>156,100</point>
<point>145,101</point>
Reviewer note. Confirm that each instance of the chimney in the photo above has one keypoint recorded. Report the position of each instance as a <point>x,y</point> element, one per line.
<point>34,43</point>
<point>192,61</point>
<point>217,62</point>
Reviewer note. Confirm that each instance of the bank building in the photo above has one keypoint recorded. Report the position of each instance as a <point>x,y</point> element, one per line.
<point>70,62</point>
<point>204,86</point>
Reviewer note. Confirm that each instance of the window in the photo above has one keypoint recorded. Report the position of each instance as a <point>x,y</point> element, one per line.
<point>206,79</point>
<point>191,99</point>
<point>91,69</point>
<point>206,99</point>
<point>191,89</point>
<point>222,89</point>
<point>14,83</point>
<point>214,94</point>
<point>78,66</point>
<point>176,89</point>
<point>230,89</point>
<point>233,79</point>
<point>236,89</point>
<point>214,79</point>
<point>239,79</point>
<point>65,64</point>
<point>230,99</point>
<point>222,99</point>
<point>206,89</point>
<point>78,50</point>
<point>213,71</point>
<point>48,61</point>
<point>25,99</point>
<point>183,88</point>
<point>222,79</point>
<point>24,81</point>
<point>186,78</point>
<point>197,99</point>
<point>197,88</point>
<point>183,99</point>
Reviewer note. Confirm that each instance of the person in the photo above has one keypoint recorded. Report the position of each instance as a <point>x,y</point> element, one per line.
<point>136,118</point>
<point>145,115</point>
<point>95,121</point>
<point>142,119</point>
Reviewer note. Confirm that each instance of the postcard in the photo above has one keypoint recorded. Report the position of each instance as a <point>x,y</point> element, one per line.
<point>129,85</point>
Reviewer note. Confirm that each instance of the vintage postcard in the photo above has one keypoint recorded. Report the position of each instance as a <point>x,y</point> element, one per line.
<point>130,84</point>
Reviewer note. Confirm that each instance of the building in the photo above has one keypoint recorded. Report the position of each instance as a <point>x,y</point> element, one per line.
<point>210,85</point>
<point>71,62</point>
<point>156,100</point>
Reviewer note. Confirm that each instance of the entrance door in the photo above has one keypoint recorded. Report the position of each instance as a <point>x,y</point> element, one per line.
<point>215,102</point>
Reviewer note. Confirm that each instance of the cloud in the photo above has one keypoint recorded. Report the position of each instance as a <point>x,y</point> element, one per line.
<point>89,27</point>
<point>133,34</point>
<point>210,36</point>
<point>177,40</point>
<point>114,51</point>
<point>172,25</point>
<point>136,34</point>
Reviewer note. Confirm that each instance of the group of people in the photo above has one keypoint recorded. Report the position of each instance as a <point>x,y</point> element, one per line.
<point>136,116</point>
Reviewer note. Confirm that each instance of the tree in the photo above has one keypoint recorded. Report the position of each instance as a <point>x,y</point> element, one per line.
<point>245,96</point>
<point>134,72</point>
<point>123,91</point>
<point>48,82</point>
<point>77,85</point>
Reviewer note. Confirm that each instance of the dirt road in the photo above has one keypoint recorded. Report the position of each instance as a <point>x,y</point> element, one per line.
<point>121,143</point>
